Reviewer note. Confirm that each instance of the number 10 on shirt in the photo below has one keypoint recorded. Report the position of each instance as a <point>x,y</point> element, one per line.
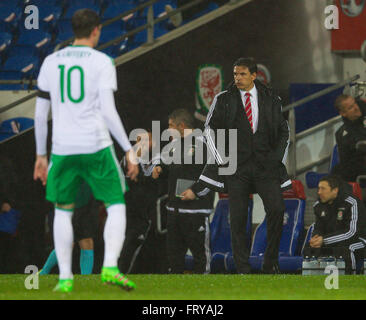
<point>68,83</point>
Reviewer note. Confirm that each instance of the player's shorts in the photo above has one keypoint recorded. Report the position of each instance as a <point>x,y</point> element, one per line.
<point>85,219</point>
<point>99,170</point>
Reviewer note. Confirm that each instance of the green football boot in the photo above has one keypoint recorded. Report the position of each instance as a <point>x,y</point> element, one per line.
<point>111,275</point>
<point>64,286</point>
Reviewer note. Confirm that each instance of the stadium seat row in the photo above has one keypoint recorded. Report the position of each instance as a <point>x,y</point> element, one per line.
<point>22,50</point>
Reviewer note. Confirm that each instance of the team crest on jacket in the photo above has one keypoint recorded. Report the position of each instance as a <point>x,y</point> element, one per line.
<point>209,82</point>
<point>322,214</point>
<point>340,215</point>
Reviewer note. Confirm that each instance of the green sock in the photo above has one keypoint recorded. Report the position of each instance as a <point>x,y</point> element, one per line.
<point>86,261</point>
<point>50,263</point>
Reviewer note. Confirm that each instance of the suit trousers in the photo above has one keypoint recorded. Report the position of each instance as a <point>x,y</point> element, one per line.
<point>249,177</point>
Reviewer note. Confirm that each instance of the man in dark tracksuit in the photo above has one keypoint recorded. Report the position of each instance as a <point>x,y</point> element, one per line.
<point>140,206</point>
<point>189,209</point>
<point>352,154</point>
<point>340,222</point>
<point>262,142</point>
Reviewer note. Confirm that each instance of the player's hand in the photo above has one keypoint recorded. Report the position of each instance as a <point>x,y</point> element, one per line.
<point>188,195</point>
<point>156,172</point>
<point>41,169</point>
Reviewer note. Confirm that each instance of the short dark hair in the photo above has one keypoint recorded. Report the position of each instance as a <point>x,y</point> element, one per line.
<point>250,63</point>
<point>333,181</point>
<point>182,115</point>
<point>83,22</point>
<point>338,103</point>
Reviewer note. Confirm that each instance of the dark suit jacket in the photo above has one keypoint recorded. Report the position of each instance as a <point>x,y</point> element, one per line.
<point>221,116</point>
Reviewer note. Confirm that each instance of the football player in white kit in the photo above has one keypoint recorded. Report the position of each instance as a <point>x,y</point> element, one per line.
<point>77,82</point>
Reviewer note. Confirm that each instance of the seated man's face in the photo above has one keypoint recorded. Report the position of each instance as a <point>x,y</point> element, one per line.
<point>350,109</point>
<point>325,192</point>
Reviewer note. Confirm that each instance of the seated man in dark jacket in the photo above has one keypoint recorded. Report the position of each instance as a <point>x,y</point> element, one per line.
<point>351,138</point>
<point>189,204</point>
<point>340,222</point>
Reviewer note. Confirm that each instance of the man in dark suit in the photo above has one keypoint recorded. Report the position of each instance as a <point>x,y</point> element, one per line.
<point>262,142</point>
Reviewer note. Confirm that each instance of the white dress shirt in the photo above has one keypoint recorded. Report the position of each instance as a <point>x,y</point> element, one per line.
<point>254,102</point>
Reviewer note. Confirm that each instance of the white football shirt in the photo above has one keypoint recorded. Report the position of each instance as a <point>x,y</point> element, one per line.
<point>73,77</point>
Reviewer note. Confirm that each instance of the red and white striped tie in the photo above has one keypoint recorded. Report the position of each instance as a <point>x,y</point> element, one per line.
<point>248,108</point>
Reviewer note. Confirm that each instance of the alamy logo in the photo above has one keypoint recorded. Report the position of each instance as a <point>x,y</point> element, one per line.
<point>32,20</point>
<point>217,147</point>
<point>332,19</point>
<point>32,281</point>
<point>331,281</point>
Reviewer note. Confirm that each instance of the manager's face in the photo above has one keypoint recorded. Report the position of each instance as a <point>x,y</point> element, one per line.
<point>244,80</point>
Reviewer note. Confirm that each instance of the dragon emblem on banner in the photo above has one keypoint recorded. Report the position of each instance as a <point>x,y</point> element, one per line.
<point>352,8</point>
<point>209,82</point>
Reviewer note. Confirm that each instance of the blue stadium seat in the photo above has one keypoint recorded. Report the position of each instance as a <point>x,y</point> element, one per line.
<point>10,15</point>
<point>37,39</point>
<point>158,8</point>
<point>48,16</point>
<point>220,227</point>
<point>293,226</point>
<point>81,5</point>
<point>139,38</point>
<point>25,62</point>
<point>220,238</point>
<point>53,3</point>
<point>64,30</point>
<point>11,75</point>
<point>210,7</point>
<point>84,3</point>
<point>115,9</point>
<point>312,178</point>
<point>13,126</point>
<point>9,10</point>
<point>111,31</point>
<point>5,41</point>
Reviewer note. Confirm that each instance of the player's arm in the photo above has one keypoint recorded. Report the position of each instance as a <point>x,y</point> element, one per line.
<point>214,122</point>
<point>283,140</point>
<point>350,218</point>
<point>114,124</point>
<point>43,104</point>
